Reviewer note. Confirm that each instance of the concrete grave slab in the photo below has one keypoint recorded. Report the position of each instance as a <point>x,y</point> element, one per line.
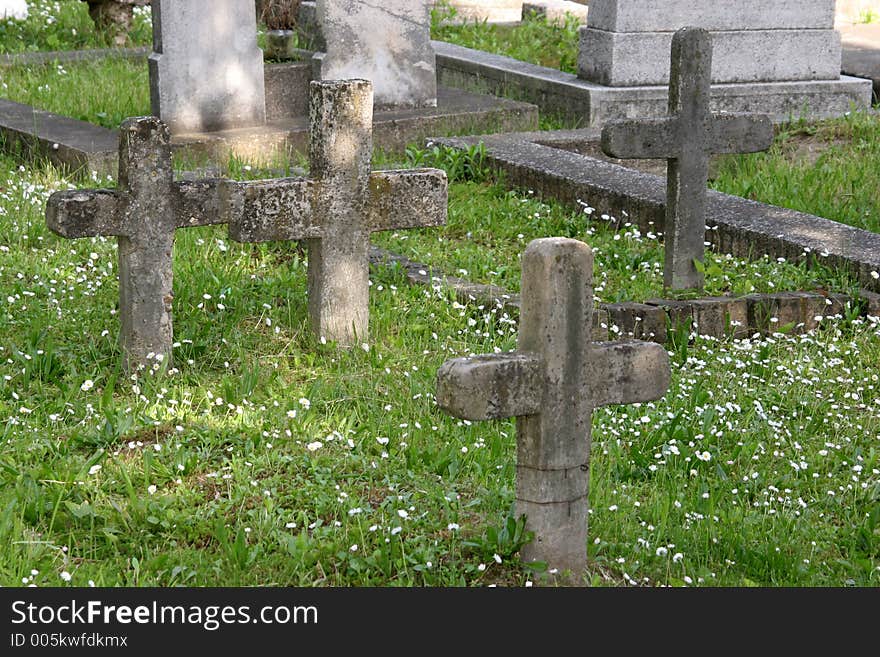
<point>457,112</point>
<point>68,143</point>
<point>590,104</point>
<point>78,145</point>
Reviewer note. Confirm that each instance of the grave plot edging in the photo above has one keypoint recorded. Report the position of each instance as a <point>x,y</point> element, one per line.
<point>574,99</point>
<point>657,320</point>
<point>735,225</point>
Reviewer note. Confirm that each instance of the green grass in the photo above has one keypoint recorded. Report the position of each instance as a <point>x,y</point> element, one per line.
<point>830,169</point>
<point>65,25</point>
<point>104,92</point>
<point>268,458</point>
<point>535,40</point>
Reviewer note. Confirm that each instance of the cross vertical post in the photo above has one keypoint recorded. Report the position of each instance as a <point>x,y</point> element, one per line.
<point>337,208</point>
<point>340,153</point>
<point>689,95</point>
<point>145,253</point>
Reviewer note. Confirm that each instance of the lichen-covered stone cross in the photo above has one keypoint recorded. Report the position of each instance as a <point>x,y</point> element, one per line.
<point>142,214</point>
<point>551,384</point>
<point>338,207</point>
<point>687,137</point>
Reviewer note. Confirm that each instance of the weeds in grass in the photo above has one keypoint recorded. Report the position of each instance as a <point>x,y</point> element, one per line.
<point>461,165</point>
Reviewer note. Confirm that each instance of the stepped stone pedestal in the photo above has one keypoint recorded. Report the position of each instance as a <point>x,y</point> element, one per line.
<point>781,57</point>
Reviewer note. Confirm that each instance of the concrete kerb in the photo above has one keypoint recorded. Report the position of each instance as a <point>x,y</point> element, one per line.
<point>78,145</point>
<point>567,96</point>
<point>659,320</point>
<point>71,56</point>
<point>735,225</point>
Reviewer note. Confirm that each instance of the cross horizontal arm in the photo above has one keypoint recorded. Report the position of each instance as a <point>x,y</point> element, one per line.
<point>741,133</point>
<point>199,203</point>
<point>85,213</point>
<point>271,210</point>
<point>641,138</point>
<point>410,198</point>
<point>628,372</point>
<point>491,387</point>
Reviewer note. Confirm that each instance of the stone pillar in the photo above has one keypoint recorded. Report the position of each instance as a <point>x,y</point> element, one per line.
<point>340,150</point>
<point>627,41</point>
<point>206,71</point>
<point>388,43</point>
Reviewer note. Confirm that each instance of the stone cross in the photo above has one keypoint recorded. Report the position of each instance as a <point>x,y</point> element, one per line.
<point>551,384</point>
<point>142,214</point>
<point>388,43</point>
<point>338,207</point>
<point>206,70</point>
<point>687,137</point>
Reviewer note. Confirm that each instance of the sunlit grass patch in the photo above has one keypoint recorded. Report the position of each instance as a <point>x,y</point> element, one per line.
<point>535,40</point>
<point>65,25</point>
<point>104,92</point>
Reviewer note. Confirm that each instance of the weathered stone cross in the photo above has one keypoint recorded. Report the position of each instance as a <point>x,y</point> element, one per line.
<point>551,384</point>
<point>687,137</point>
<point>143,214</point>
<point>338,208</point>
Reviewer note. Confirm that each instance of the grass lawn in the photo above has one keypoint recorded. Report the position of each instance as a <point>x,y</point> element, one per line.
<point>537,40</point>
<point>65,25</point>
<point>265,457</point>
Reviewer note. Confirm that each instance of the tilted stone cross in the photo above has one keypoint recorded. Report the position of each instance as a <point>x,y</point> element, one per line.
<point>338,208</point>
<point>551,384</point>
<point>687,137</point>
<point>142,214</point>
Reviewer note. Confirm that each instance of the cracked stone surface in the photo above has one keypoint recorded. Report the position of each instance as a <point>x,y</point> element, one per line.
<point>143,215</point>
<point>338,208</point>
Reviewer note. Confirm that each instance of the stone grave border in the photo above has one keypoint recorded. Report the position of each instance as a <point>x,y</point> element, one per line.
<point>548,164</point>
<point>571,98</point>
<point>78,144</point>
<point>657,320</point>
<point>527,159</point>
